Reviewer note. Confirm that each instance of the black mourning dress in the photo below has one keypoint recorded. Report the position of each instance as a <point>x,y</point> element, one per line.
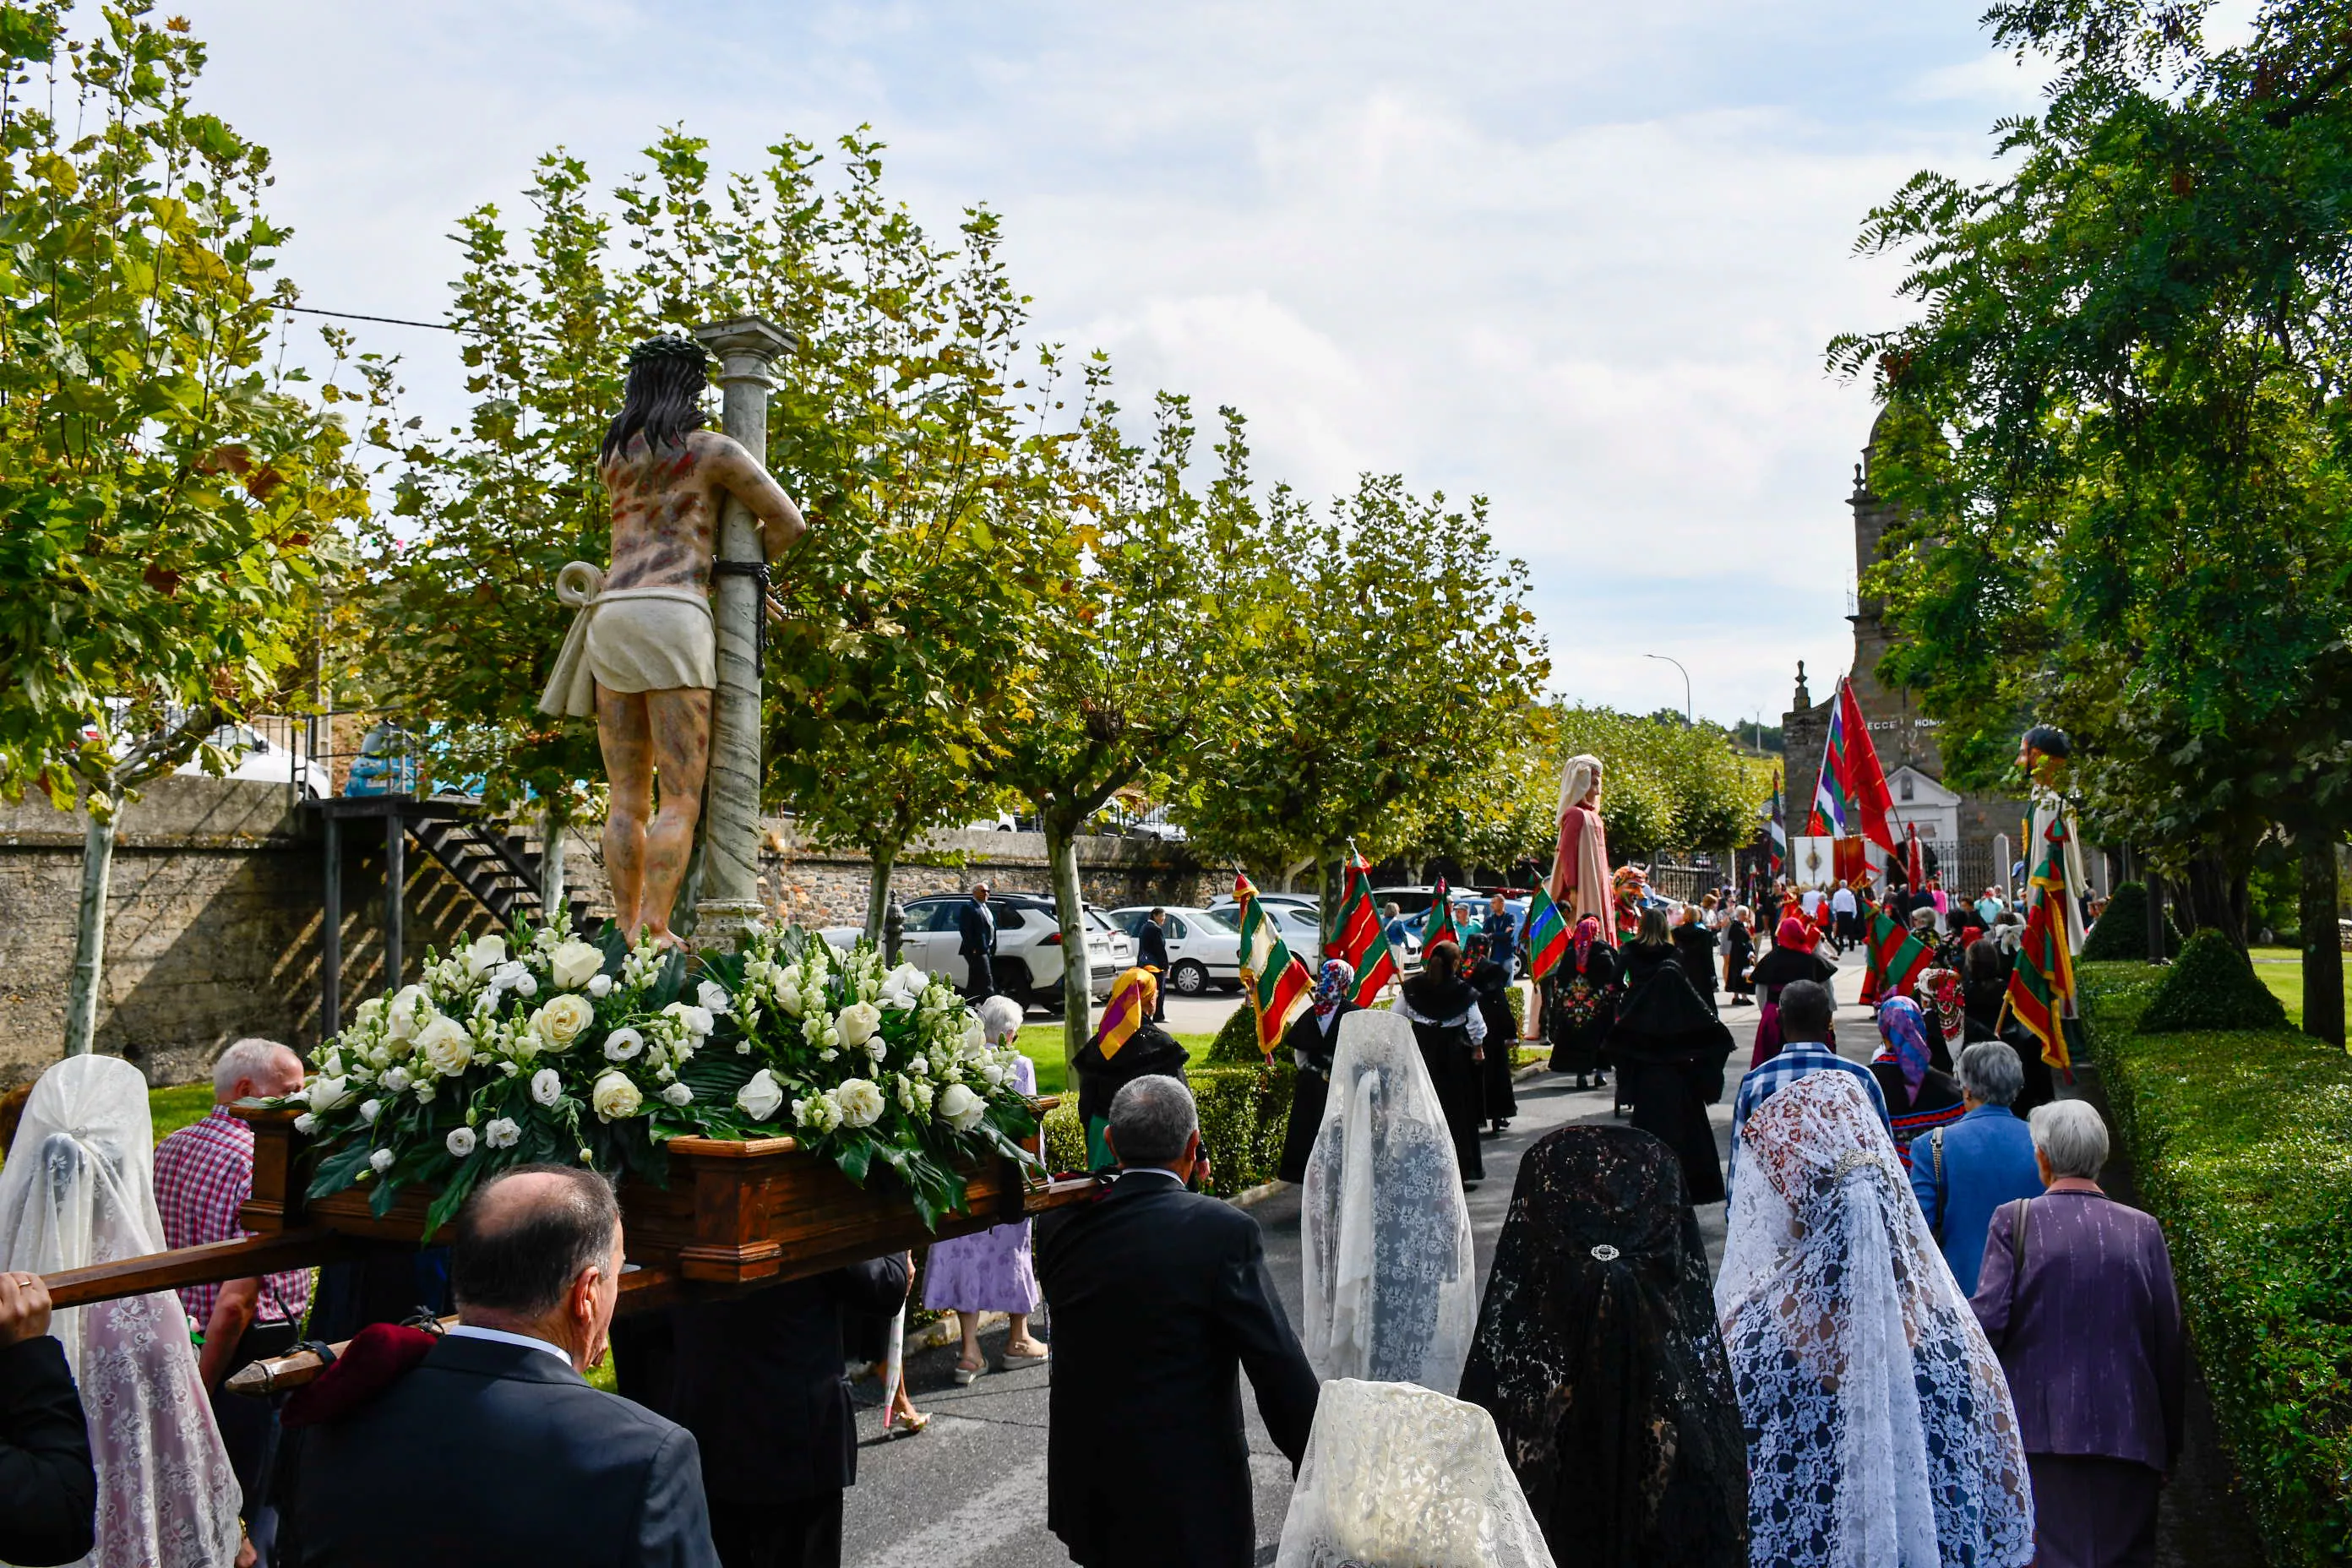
<point>1440,1012</point>
<point>1670,1048</point>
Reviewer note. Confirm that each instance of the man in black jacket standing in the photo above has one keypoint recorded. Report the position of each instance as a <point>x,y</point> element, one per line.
<point>49,1488</point>
<point>494,1450</point>
<point>758,1384</point>
<point>1152,952</point>
<point>1159,1298</point>
<point>976,926</point>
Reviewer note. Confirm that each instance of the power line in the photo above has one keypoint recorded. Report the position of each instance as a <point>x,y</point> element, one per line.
<point>356,316</point>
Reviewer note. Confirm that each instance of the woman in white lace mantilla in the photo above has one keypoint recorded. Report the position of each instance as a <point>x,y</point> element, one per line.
<point>79,1188</point>
<point>1391,1284</point>
<point>1397,1477</point>
<point>1880,1430</point>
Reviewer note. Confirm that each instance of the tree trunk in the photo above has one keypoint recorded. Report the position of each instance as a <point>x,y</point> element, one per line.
<point>1334,882</point>
<point>2323,952</point>
<point>1291,874</point>
<point>877,892</point>
<point>1069,906</point>
<point>2210,896</point>
<point>553,825</point>
<point>2159,949</point>
<point>89,929</point>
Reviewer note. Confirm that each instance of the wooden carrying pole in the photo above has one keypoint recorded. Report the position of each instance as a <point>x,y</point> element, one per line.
<point>206,1264</point>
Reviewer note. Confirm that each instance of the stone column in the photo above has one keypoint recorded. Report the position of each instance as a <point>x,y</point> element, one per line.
<point>748,349</point>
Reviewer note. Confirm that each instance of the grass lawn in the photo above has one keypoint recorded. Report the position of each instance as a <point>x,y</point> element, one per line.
<point>1042,1044</point>
<point>2281,969</point>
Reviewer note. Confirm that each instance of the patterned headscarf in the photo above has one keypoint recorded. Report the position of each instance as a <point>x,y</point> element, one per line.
<point>1588,931</point>
<point>1129,1009</point>
<point>1332,985</point>
<point>1904,1029</point>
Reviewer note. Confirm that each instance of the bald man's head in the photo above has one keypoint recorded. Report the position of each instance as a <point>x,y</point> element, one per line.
<point>525,1236</point>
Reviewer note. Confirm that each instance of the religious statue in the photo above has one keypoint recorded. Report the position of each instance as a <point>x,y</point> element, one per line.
<point>642,654</point>
<point>2044,754</point>
<point>1580,870</point>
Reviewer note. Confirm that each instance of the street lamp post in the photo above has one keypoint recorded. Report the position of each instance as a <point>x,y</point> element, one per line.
<point>1688,716</point>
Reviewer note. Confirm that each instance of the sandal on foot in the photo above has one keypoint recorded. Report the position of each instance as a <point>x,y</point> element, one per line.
<point>1012,1361</point>
<point>965,1376</point>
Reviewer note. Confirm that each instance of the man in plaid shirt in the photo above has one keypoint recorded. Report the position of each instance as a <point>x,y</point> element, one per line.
<point>204,1173</point>
<point>1807,1008</point>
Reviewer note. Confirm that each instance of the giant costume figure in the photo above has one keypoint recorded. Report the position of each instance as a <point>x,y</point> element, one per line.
<point>1580,870</point>
<point>642,654</point>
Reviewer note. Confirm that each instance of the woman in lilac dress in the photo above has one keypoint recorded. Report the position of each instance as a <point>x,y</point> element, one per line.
<point>991,1271</point>
<point>2089,1332</point>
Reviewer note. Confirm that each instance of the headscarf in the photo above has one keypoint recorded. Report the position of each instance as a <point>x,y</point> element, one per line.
<point>1597,1355</point>
<point>1792,932</point>
<point>1577,778</point>
<point>1942,986</point>
<point>1588,931</point>
<point>79,1189</point>
<point>1129,1009</point>
<point>1880,1425</point>
<point>1333,985</point>
<point>1398,1474</point>
<point>1904,1028</point>
<point>1391,1282</point>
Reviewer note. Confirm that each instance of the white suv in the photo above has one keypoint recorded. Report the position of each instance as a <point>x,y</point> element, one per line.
<point>1203,950</point>
<point>1028,945</point>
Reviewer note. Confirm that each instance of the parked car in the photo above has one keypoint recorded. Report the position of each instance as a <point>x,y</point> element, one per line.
<point>1000,823</point>
<point>1203,949</point>
<point>1029,955</point>
<point>252,755</point>
<point>1223,903</point>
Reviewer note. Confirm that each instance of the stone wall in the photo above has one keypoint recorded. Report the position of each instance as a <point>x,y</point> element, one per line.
<point>824,887</point>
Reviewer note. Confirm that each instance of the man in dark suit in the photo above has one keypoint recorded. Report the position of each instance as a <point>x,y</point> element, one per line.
<point>758,1382</point>
<point>494,1450</point>
<point>976,926</point>
<point>49,1488</point>
<point>1160,1297</point>
<point>1152,952</point>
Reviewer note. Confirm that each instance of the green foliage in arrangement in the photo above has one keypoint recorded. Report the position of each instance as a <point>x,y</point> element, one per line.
<point>2122,931</point>
<point>2211,986</point>
<point>2241,1141</point>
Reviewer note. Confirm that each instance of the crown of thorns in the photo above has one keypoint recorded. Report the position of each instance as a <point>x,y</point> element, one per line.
<point>667,349</point>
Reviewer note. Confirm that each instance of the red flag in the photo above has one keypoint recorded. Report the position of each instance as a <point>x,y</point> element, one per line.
<point>1356,935</point>
<point>1863,779</point>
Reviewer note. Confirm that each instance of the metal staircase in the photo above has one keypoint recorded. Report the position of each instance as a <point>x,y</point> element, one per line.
<point>495,865</point>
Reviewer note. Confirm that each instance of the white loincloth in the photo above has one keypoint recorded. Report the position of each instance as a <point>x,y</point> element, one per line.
<point>633,639</point>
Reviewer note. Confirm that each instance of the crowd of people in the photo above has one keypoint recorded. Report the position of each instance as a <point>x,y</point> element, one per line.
<point>1932,1338</point>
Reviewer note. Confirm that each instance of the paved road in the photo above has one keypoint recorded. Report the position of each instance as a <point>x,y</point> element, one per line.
<point>971,1491</point>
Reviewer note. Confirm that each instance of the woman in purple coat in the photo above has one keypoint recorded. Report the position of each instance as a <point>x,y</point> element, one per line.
<point>991,1271</point>
<point>2088,1329</point>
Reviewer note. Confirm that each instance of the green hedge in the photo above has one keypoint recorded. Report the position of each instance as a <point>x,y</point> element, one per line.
<point>2211,986</point>
<point>1244,1112</point>
<point>2241,1141</point>
<point>2122,930</point>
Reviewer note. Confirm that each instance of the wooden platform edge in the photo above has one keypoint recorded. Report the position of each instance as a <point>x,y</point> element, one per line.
<point>206,1264</point>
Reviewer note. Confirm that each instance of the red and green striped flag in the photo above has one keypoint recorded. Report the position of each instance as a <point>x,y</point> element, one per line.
<point>2042,987</point>
<point>1896,957</point>
<point>1852,800</point>
<point>1276,982</point>
<point>1547,935</point>
<point>1438,924</point>
<point>1358,935</point>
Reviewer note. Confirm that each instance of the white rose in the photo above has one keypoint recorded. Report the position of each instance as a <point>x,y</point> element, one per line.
<point>546,1086</point>
<point>623,1043</point>
<point>426,1092</point>
<point>991,1074</point>
<point>697,1020</point>
<point>306,1123</point>
<point>409,1008</point>
<point>503,1133</point>
<point>369,1109</point>
<point>615,1096</point>
<point>713,997</point>
<point>600,985</point>
<point>788,997</point>
<point>447,1046</point>
<point>575,964</point>
<point>484,955</point>
<point>861,1102</point>
<point>509,975</point>
<point>857,1023</point>
<point>395,1079</point>
<point>460,1140</point>
<point>960,1109</point>
<point>326,1092</point>
<point>380,1162</point>
<point>560,1021</point>
<point>526,985</point>
<point>759,1098</point>
<point>678,1094</point>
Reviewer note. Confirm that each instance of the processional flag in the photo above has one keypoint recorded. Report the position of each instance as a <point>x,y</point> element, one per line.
<point>1438,925</point>
<point>1358,936</point>
<point>1852,800</point>
<point>2042,987</point>
<point>1547,935</point>
<point>1276,984</point>
<point>1779,828</point>
<point>1896,957</point>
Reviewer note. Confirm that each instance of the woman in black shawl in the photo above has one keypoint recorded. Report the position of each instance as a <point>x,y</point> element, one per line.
<point>1792,959</point>
<point>1598,1357</point>
<point>1583,997</point>
<point>1497,1101</point>
<point>1444,1012</point>
<point>1313,1040</point>
<point>1738,951</point>
<point>1670,1050</point>
<point>1695,945</point>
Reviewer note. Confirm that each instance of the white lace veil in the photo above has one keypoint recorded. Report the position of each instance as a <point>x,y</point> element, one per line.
<point>1880,1427</point>
<point>79,1188</point>
<point>1392,1289</point>
<point>1399,1476</point>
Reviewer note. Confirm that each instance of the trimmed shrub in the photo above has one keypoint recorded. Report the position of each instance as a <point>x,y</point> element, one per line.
<point>2211,986</point>
<point>2241,1141</point>
<point>2122,931</point>
<point>1236,1043</point>
<point>1245,1111</point>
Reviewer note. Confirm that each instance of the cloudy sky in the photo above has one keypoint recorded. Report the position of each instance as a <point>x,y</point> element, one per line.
<point>1580,256</point>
